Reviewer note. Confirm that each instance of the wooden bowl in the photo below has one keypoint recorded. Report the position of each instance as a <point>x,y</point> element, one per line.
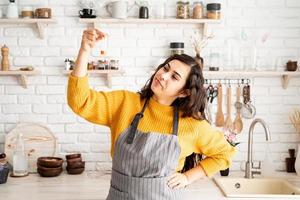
<point>49,172</point>
<point>75,171</point>
<point>71,156</point>
<point>51,162</point>
<point>73,160</point>
<point>75,165</point>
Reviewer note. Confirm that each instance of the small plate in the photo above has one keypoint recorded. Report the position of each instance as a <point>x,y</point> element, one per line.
<point>87,16</point>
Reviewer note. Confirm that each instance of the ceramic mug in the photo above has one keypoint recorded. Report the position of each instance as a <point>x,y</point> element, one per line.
<point>118,9</point>
<point>86,12</point>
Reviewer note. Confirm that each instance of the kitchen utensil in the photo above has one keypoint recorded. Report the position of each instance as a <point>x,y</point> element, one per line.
<point>219,115</point>
<point>248,110</point>
<point>211,93</point>
<point>39,142</point>
<point>228,122</point>
<point>118,9</point>
<point>238,123</point>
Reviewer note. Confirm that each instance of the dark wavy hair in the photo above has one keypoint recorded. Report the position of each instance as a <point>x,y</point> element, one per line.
<point>192,105</point>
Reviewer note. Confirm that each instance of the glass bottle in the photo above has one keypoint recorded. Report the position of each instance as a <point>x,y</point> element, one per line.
<point>20,158</point>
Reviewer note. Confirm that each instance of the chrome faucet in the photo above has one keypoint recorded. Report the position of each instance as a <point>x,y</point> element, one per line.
<point>250,169</point>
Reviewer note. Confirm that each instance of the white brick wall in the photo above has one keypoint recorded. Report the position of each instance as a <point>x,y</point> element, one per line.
<point>140,48</point>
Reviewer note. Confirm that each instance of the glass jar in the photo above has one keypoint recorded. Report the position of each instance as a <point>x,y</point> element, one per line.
<point>183,10</point>
<point>176,48</point>
<point>197,10</point>
<point>213,11</point>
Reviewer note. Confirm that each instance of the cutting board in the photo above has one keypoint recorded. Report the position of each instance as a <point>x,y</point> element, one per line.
<point>39,141</point>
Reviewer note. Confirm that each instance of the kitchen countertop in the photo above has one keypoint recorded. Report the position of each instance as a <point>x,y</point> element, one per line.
<point>90,185</point>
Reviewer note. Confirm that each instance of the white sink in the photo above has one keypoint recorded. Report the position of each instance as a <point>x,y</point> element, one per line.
<point>257,187</point>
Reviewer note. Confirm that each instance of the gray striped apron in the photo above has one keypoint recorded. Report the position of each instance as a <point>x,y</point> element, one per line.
<point>143,162</point>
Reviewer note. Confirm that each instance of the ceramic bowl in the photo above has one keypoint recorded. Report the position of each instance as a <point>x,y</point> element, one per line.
<point>51,162</point>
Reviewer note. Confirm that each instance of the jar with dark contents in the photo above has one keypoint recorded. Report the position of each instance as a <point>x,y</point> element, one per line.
<point>176,48</point>
<point>183,10</point>
<point>213,11</point>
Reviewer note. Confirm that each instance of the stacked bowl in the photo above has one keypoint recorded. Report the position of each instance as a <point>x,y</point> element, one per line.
<point>75,165</point>
<point>49,166</point>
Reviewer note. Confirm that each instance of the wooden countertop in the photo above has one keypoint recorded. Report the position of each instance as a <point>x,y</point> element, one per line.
<point>89,186</point>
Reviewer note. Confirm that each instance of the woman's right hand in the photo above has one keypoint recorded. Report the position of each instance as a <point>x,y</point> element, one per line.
<point>90,38</point>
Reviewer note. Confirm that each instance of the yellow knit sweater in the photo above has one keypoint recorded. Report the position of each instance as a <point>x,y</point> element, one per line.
<point>116,110</point>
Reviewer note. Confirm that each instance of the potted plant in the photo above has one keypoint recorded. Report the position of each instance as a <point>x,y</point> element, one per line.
<point>230,136</point>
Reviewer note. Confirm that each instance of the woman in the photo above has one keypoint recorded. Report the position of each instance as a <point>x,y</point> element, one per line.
<point>153,131</point>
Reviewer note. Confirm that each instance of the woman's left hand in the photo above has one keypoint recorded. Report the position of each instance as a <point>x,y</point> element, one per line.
<point>177,181</point>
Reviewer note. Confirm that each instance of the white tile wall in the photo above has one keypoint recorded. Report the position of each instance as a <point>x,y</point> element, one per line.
<point>140,47</point>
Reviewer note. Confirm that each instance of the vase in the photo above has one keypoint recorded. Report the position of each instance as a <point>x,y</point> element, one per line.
<point>224,172</point>
<point>297,162</point>
<point>199,60</point>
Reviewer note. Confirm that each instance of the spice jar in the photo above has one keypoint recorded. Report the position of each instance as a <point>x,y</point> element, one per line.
<point>197,10</point>
<point>183,10</point>
<point>176,48</point>
<point>213,10</point>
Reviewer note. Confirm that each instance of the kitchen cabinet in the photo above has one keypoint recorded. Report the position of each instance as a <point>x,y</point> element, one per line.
<point>22,75</point>
<point>107,73</point>
<point>40,23</point>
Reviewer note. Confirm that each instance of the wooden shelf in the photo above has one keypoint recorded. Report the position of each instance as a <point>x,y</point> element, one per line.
<point>21,74</point>
<point>143,21</point>
<point>285,75</point>
<point>40,23</point>
<point>99,20</point>
<point>107,73</point>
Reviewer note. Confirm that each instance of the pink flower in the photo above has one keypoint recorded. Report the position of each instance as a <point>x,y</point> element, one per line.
<point>230,136</point>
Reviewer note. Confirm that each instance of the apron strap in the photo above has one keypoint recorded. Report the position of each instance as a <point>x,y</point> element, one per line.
<point>175,121</point>
<point>135,122</point>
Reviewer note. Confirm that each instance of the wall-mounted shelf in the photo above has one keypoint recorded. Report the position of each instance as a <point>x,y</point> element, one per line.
<point>99,20</point>
<point>285,75</point>
<point>107,73</point>
<point>21,74</point>
<point>40,23</point>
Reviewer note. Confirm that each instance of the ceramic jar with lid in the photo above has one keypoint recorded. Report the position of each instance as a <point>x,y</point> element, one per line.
<point>183,10</point>
<point>213,11</point>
